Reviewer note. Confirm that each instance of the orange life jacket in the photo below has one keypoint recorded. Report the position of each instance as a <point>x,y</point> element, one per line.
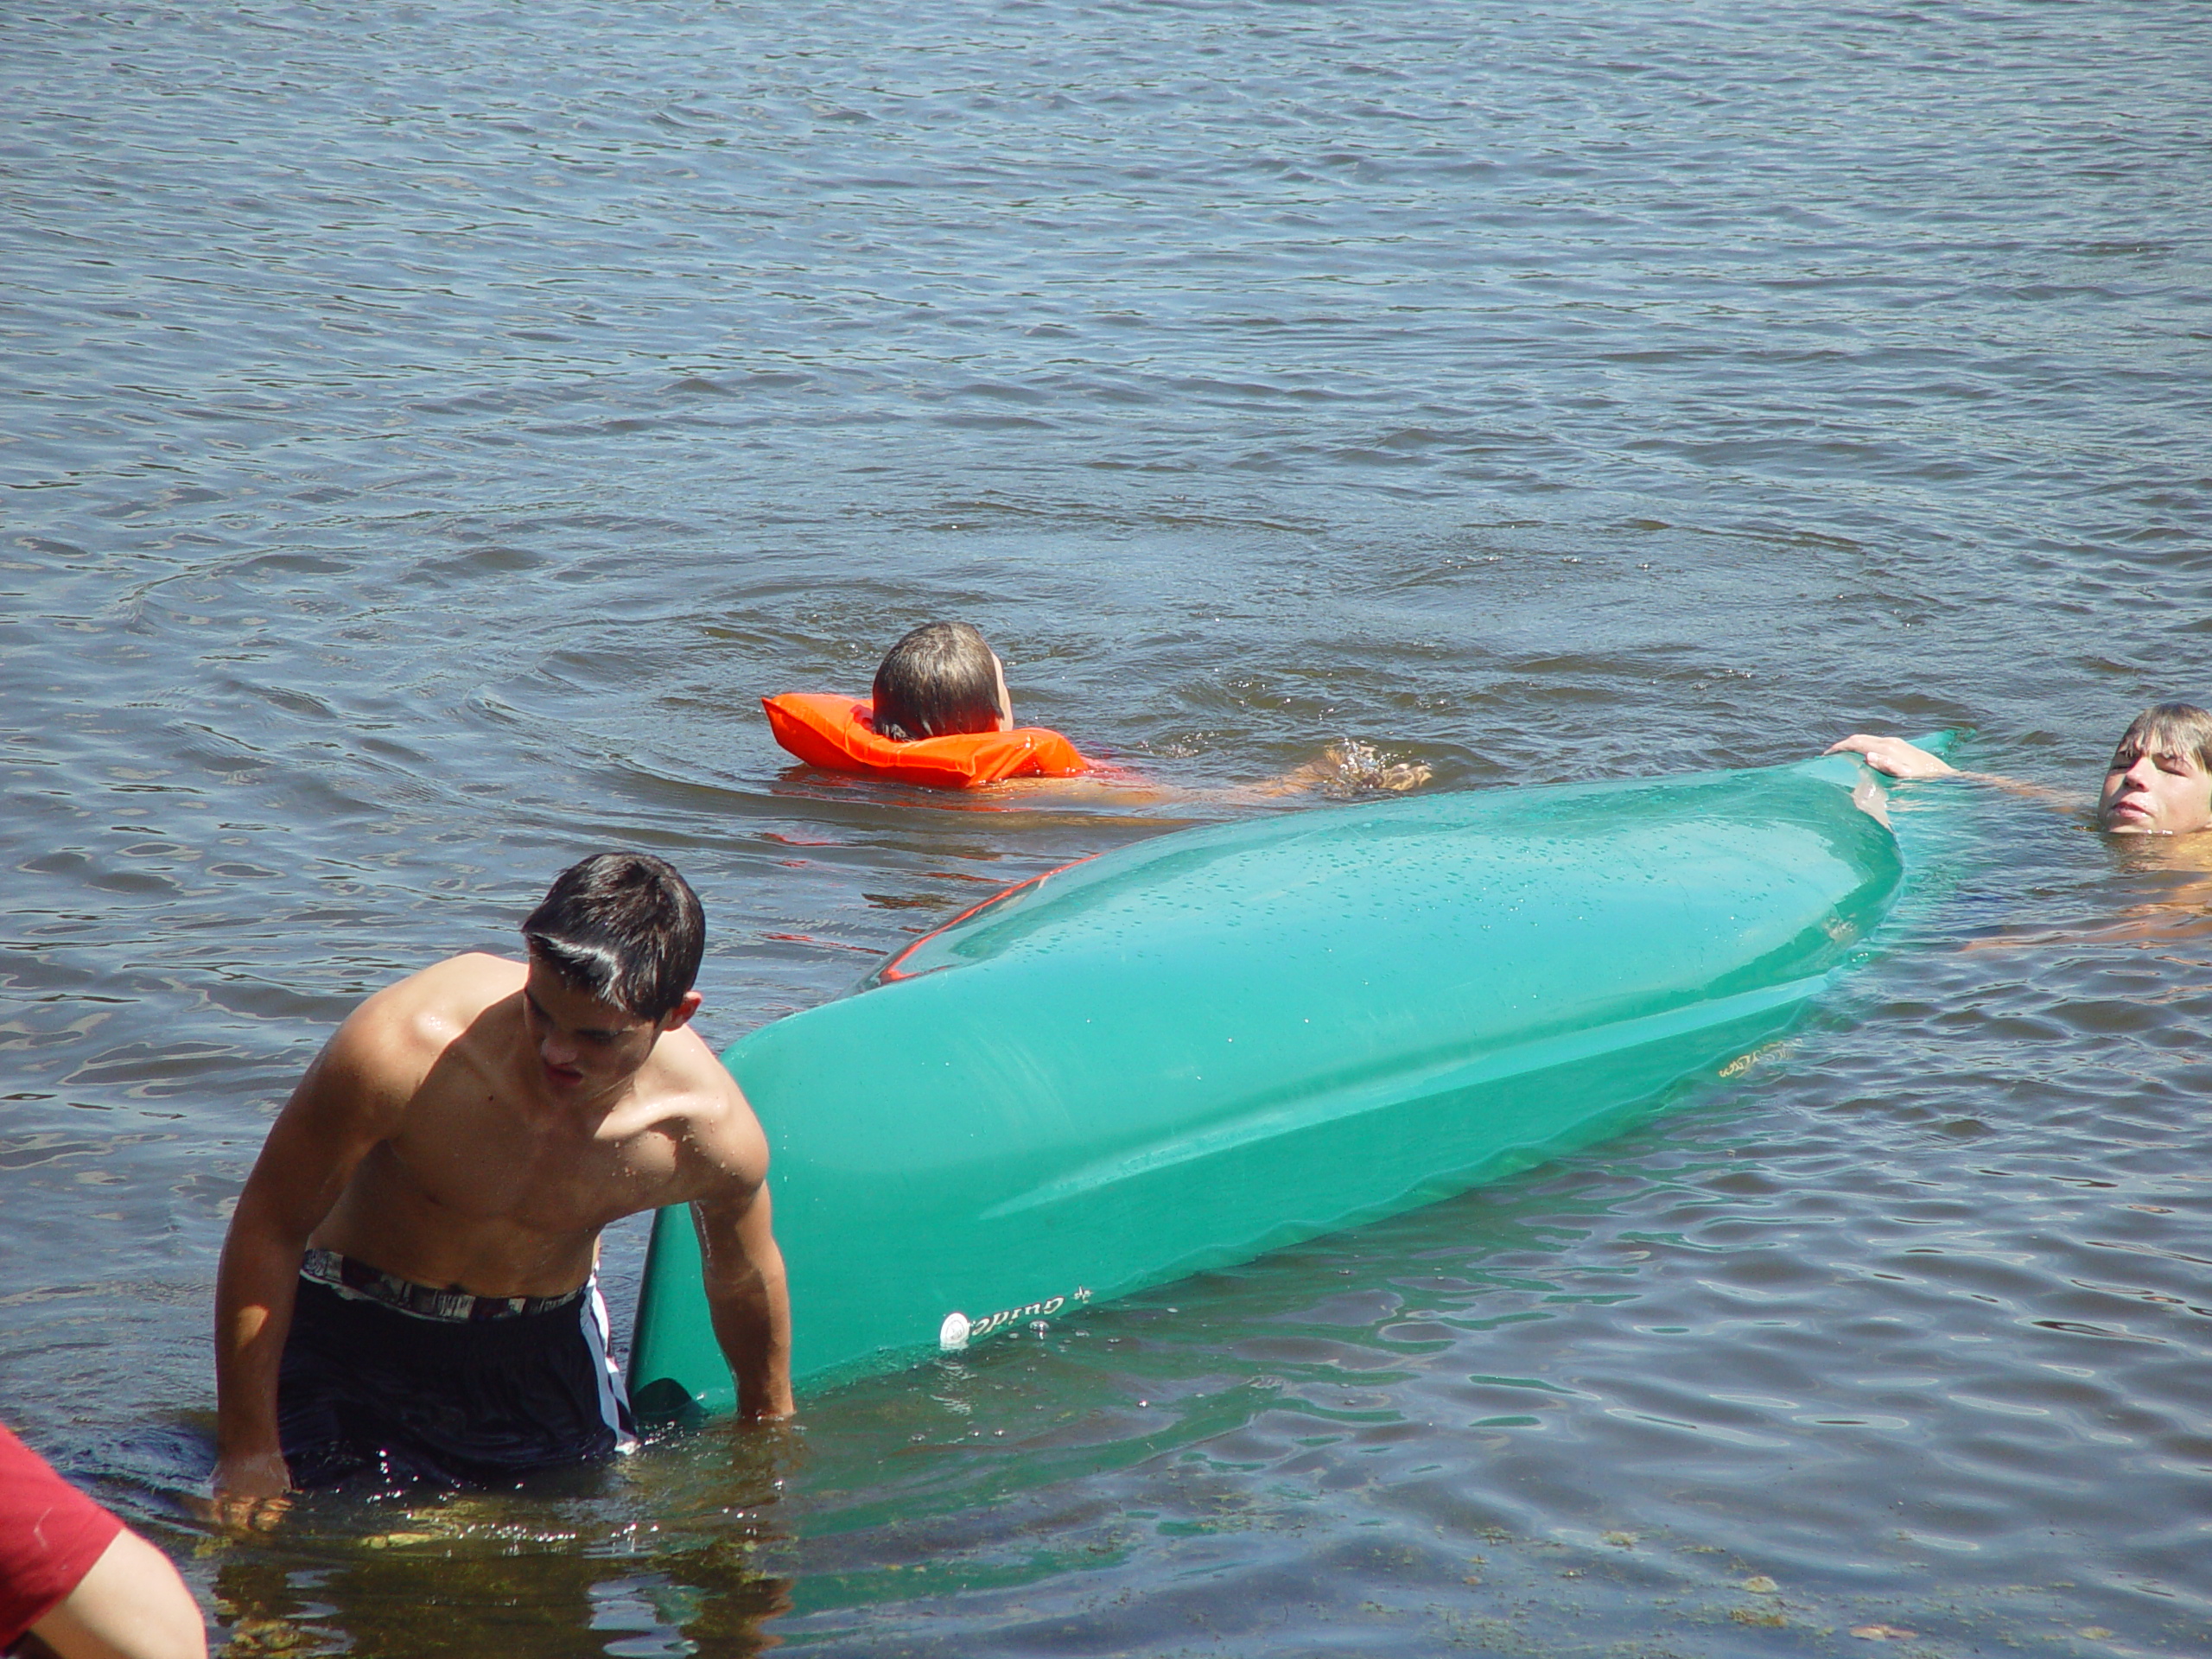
<point>837,733</point>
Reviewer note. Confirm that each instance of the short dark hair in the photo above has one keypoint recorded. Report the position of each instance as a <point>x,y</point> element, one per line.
<point>623,927</point>
<point>940,680</point>
<point>2166,728</point>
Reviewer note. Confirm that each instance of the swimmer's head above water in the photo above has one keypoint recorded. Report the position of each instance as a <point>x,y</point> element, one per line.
<point>942,680</point>
<point>2160,778</point>
<point>2159,782</point>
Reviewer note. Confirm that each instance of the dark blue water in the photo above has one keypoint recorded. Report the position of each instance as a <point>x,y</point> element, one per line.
<point>430,428</point>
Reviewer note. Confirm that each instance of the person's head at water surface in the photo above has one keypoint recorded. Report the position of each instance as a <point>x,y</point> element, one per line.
<point>2160,778</point>
<point>624,930</point>
<point>941,680</point>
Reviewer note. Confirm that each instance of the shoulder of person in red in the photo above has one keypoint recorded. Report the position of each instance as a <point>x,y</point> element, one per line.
<point>50,1536</point>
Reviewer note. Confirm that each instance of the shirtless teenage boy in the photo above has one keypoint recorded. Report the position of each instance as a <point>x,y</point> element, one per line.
<point>408,1289</point>
<point>2159,781</point>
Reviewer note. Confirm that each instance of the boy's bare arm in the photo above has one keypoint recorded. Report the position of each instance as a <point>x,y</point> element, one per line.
<point>740,1265</point>
<point>746,1299</point>
<point>342,1106</point>
<point>1892,756</point>
<point>1895,757</point>
<point>1345,769</point>
<point>131,1604</point>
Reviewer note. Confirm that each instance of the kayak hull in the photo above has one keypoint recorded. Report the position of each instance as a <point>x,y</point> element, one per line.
<point>1187,1053</point>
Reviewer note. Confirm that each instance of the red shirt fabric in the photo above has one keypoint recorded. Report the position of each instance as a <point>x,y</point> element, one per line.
<point>50,1536</point>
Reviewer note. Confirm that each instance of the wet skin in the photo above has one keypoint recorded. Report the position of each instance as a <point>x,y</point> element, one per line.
<point>2152,794</point>
<point>474,1127</point>
<point>2145,793</point>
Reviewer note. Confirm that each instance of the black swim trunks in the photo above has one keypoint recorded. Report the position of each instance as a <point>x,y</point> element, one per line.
<point>402,1383</point>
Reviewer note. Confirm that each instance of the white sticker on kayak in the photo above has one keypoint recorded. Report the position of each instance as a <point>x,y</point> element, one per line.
<point>958,1330</point>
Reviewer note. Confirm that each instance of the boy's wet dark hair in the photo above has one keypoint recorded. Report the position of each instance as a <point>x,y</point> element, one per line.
<point>939,681</point>
<point>2166,728</point>
<point>623,926</point>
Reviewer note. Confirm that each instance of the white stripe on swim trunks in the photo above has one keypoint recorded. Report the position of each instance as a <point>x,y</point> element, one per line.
<point>609,1375</point>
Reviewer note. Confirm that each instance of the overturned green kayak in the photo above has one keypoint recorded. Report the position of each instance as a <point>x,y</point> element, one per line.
<point>1181,1054</point>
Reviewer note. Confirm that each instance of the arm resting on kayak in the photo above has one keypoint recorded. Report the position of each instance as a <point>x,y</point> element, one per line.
<point>1895,757</point>
<point>743,1272</point>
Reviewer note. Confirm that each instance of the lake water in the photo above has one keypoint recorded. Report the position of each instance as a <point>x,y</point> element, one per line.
<point>430,426</point>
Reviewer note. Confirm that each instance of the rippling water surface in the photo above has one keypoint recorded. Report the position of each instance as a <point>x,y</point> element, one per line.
<point>430,426</point>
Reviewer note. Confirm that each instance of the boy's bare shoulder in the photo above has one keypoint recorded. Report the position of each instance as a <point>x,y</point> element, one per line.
<point>405,1027</point>
<point>695,1099</point>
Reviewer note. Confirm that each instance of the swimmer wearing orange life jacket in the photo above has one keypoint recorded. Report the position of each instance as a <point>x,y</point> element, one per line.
<point>940,717</point>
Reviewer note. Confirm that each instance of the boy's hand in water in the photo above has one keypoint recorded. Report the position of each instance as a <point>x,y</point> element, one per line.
<point>251,1492</point>
<point>1350,767</point>
<point>1893,756</point>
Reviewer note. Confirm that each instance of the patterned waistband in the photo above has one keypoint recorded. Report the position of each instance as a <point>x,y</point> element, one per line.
<point>358,1281</point>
